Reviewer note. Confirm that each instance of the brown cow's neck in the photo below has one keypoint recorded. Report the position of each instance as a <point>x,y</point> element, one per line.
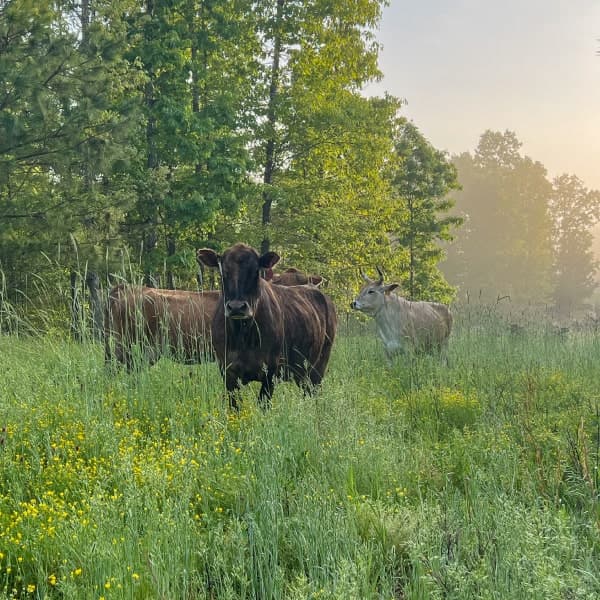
<point>243,332</point>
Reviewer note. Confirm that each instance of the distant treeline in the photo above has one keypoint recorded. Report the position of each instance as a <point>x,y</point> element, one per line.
<point>524,236</point>
<point>132,133</point>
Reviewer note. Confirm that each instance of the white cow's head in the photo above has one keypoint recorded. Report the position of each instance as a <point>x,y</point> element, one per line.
<point>371,297</point>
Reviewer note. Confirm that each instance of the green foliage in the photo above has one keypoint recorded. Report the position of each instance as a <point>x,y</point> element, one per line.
<point>132,133</point>
<point>198,61</point>
<point>524,237</point>
<point>421,178</point>
<point>320,145</point>
<point>62,116</point>
<point>575,210</point>
<point>332,213</point>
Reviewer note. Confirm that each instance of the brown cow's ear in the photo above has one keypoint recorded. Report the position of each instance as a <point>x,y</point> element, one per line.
<point>268,275</point>
<point>208,257</point>
<point>315,279</point>
<point>268,260</point>
<point>388,288</point>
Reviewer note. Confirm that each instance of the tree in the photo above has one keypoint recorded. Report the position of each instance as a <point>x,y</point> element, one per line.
<point>152,128</point>
<point>421,178</point>
<point>505,247</point>
<point>193,140</point>
<point>59,95</point>
<point>574,210</point>
<point>319,55</point>
<point>319,145</point>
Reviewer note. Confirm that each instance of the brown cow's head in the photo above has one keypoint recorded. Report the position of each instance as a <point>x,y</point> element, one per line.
<point>240,268</point>
<point>371,297</point>
<point>292,276</point>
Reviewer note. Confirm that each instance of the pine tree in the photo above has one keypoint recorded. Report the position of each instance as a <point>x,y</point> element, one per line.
<point>421,179</point>
<point>197,58</point>
<point>58,119</point>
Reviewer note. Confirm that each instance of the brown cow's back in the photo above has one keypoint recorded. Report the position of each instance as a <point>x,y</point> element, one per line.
<point>292,276</point>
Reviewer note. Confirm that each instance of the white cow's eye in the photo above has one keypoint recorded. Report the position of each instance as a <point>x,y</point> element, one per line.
<point>371,292</point>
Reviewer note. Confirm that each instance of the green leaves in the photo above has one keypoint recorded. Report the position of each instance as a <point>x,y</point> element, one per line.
<point>156,127</point>
<point>421,178</point>
<point>574,210</point>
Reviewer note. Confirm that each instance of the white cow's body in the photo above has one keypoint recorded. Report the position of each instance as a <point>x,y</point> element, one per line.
<point>402,325</point>
<point>405,326</point>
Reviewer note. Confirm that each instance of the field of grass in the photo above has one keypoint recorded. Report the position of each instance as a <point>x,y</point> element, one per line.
<point>418,480</point>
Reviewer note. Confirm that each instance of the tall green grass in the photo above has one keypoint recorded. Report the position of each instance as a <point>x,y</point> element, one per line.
<point>417,480</point>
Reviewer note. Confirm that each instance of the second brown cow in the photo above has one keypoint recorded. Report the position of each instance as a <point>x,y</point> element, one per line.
<point>292,276</point>
<point>160,321</point>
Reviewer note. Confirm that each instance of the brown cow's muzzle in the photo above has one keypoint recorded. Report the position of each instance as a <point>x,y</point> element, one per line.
<point>237,309</point>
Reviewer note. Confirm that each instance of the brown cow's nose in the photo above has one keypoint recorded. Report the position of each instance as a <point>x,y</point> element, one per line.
<point>237,306</point>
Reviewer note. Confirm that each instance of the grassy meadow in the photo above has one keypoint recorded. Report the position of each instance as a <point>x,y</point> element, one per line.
<point>417,480</point>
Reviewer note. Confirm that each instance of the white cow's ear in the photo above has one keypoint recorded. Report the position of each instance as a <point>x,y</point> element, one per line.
<point>388,288</point>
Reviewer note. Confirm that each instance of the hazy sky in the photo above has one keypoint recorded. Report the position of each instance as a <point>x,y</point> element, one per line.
<point>530,66</point>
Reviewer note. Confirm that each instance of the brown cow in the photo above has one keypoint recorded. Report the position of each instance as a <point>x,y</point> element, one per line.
<point>292,276</point>
<point>261,331</point>
<point>160,320</point>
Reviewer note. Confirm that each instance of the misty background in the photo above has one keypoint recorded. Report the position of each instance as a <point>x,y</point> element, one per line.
<point>530,72</point>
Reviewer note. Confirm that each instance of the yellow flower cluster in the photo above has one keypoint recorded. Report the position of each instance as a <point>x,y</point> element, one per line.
<point>66,475</point>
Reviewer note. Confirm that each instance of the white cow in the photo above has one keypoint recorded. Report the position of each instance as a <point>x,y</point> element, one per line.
<point>402,325</point>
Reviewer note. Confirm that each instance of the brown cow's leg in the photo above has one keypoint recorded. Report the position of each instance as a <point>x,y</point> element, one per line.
<point>121,356</point>
<point>107,352</point>
<point>312,381</point>
<point>232,383</point>
<point>316,373</point>
<point>126,357</point>
<point>266,390</point>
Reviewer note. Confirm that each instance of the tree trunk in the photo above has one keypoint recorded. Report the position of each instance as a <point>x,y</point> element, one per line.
<point>96,309</point>
<point>170,253</point>
<point>150,235</point>
<point>271,120</point>
<point>85,21</point>
<point>76,316</point>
